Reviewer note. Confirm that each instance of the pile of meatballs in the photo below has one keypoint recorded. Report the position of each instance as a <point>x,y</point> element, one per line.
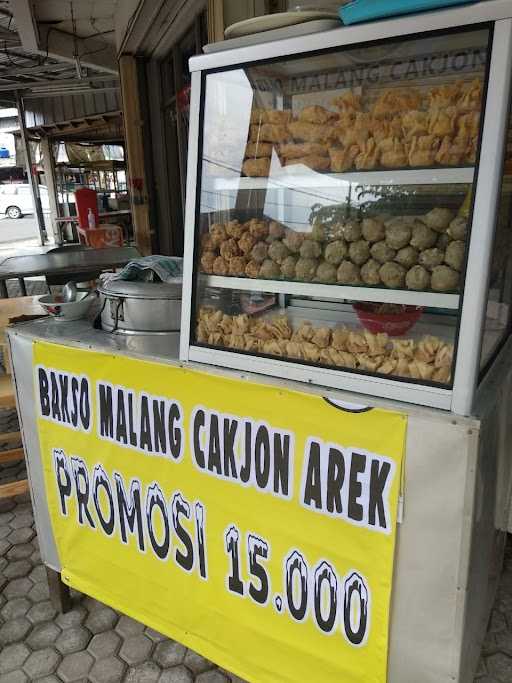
<point>423,253</point>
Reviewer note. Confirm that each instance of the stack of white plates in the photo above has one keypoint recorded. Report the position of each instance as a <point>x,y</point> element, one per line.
<point>271,22</point>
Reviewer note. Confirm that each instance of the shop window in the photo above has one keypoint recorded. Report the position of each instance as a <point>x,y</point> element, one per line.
<point>498,320</point>
<point>175,78</point>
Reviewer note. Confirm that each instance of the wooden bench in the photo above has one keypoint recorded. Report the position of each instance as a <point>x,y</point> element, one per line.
<point>11,309</point>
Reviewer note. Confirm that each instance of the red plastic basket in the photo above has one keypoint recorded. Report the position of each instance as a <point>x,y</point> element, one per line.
<point>394,324</point>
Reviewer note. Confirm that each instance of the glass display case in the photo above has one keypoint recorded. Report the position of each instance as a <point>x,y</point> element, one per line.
<point>335,211</point>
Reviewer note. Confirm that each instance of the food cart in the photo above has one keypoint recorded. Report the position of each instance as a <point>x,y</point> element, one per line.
<point>348,238</point>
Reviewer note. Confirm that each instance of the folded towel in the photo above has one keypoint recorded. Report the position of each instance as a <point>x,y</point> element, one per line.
<point>165,268</point>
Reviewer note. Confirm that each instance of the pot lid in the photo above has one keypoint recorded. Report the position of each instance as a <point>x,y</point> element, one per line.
<point>142,290</point>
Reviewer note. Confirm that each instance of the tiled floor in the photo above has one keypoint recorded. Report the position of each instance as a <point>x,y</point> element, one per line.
<point>95,643</point>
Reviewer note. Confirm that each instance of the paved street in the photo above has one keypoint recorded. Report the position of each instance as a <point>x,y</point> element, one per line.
<point>17,230</point>
<point>95,643</point>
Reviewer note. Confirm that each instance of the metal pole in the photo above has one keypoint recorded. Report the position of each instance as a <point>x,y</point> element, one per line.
<point>34,185</point>
<point>49,174</point>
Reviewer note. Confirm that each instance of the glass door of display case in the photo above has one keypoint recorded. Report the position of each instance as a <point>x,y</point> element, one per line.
<point>334,213</point>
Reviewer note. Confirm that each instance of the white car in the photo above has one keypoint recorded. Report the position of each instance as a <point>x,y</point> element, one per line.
<point>16,199</point>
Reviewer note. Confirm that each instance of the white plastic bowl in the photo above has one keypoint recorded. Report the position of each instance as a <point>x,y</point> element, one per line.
<point>73,310</point>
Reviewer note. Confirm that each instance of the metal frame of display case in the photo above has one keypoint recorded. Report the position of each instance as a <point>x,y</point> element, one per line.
<point>459,399</point>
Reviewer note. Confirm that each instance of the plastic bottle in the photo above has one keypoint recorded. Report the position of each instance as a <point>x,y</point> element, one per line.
<point>91,219</point>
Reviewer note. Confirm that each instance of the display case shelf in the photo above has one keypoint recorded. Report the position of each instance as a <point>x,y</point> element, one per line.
<point>287,178</point>
<point>353,293</point>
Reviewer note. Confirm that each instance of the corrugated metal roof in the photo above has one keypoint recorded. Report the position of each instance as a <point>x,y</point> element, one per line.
<point>52,89</point>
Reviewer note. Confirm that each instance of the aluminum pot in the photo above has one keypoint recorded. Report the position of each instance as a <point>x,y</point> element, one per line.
<point>140,307</point>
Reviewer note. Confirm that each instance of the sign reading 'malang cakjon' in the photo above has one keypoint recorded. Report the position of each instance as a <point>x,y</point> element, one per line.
<point>256,525</point>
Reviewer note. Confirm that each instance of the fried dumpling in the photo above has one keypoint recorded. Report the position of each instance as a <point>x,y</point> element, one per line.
<point>368,158</point>
<point>396,101</point>
<point>348,102</point>
<point>256,168</point>
<point>420,370</point>
<point>343,158</point>
<point>427,349</point>
<point>269,132</point>
<point>339,338</point>
<point>402,348</point>
<point>316,114</point>
<point>442,122</point>
<point>280,327</point>
<point>304,332</point>
<point>297,150</point>
<point>393,153</point>
<point>254,150</point>
<point>309,132</point>
<point>415,123</point>
<point>357,343</point>
<point>322,337</point>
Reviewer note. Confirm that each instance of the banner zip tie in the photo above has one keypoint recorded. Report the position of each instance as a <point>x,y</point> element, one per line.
<point>400,511</point>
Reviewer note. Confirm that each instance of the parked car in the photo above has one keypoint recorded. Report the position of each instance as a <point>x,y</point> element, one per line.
<point>4,153</point>
<point>16,199</point>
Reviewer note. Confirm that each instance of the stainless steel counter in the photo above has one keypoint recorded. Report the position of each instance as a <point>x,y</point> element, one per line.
<point>162,346</point>
<point>455,511</point>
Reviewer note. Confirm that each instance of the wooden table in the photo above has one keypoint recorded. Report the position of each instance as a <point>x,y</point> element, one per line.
<point>62,263</point>
<point>9,309</point>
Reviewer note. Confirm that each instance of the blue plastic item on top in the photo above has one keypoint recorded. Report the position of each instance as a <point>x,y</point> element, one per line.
<point>366,10</point>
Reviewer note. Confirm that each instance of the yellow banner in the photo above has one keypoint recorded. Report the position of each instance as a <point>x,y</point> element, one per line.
<point>254,524</point>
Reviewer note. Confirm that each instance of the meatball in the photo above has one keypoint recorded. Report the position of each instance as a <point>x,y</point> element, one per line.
<point>382,253</point>
<point>392,275</point>
<point>443,241</point>
<point>430,258</point>
<point>319,232</point>
<point>438,219</point>
<point>336,232</point>
<point>288,267</point>
<point>237,266</point>
<point>220,266</point>
<point>359,252</point>
<point>407,257</point>
<point>335,252</point>
<point>305,269</point>
<point>422,236</point>
<point>326,272</point>
<point>217,234</point>
<point>207,244</point>
<point>234,229</point>
<point>444,279</point>
<point>275,231</point>
<point>229,249</point>
<point>398,234</point>
<point>258,229</point>
<point>246,243</point>
<point>207,261</point>
<point>454,256</point>
<point>259,252</point>
<point>370,272</point>
<point>418,278</point>
<point>352,231</point>
<point>270,270</point>
<point>293,241</point>
<point>278,251</point>
<point>252,269</point>
<point>348,273</point>
<point>373,229</point>
<point>458,228</point>
<point>310,249</point>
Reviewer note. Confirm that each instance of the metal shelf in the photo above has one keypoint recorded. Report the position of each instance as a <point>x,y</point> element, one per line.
<point>373,294</point>
<point>288,178</point>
